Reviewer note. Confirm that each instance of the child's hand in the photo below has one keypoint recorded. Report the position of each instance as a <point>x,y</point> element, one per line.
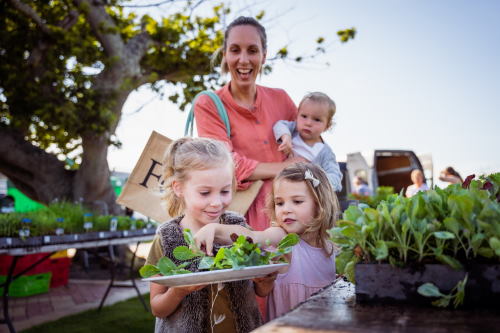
<point>264,285</point>
<point>286,144</point>
<point>204,238</point>
<point>182,292</point>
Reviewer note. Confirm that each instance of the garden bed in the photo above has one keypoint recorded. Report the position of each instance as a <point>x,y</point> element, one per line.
<point>386,283</point>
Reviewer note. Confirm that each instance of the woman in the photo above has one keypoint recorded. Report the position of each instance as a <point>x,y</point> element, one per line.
<point>252,112</point>
<point>451,176</point>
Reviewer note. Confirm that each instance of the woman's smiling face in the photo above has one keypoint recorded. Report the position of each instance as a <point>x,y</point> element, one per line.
<point>244,55</point>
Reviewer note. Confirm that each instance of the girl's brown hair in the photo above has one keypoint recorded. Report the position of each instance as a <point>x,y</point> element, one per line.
<point>327,204</point>
<point>322,98</point>
<point>185,155</point>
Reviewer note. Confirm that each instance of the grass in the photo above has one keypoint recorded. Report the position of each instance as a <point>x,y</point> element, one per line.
<point>123,317</point>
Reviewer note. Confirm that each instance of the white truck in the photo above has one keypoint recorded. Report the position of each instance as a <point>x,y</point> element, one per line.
<point>384,167</point>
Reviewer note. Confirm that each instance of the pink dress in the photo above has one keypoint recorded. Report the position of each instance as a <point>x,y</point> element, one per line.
<point>309,271</point>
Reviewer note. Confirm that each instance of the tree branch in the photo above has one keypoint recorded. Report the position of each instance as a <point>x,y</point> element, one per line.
<point>137,47</point>
<point>103,26</point>
<point>30,12</point>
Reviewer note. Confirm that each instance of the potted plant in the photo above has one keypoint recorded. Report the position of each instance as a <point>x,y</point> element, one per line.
<point>446,238</point>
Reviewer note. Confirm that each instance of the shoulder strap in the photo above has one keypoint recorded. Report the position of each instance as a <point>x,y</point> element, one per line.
<point>188,130</point>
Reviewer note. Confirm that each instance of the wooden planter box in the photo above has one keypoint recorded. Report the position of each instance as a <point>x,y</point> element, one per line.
<point>385,283</point>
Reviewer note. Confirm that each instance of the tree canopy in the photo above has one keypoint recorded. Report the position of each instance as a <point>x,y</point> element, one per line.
<point>67,68</point>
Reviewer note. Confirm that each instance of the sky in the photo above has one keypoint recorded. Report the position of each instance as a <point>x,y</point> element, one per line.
<point>420,75</point>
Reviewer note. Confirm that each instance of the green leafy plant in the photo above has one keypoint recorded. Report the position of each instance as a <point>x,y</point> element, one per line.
<point>242,253</point>
<point>381,194</point>
<point>44,221</point>
<point>454,226</point>
<point>457,294</point>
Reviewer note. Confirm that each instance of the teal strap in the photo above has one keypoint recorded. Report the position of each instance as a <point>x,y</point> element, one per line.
<point>188,130</point>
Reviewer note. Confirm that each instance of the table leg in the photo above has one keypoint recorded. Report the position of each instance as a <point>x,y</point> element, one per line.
<point>113,264</point>
<point>5,297</point>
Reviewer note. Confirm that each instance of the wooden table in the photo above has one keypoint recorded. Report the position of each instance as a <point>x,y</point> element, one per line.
<point>334,309</point>
<point>51,249</point>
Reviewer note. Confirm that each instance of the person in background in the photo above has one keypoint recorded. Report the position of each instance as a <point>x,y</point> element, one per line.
<point>451,176</point>
<point>252,111</point>
<point>417,177</point>
<point>361,187</point>
<point>302,137</point>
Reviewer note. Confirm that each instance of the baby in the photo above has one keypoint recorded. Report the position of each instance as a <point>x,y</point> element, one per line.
<point>303,136</point>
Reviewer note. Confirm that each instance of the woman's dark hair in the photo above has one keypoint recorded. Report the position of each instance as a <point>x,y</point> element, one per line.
<point>453,172</point>
<point>245,20</point>
<point>242,20</point>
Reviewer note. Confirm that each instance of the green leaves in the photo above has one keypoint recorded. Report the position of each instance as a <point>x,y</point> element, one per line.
<point>381,250</point>
<point>148,271</point>
<point>429,290</point>
<point>288,241</point>
<point>457,294</point>
<point>184,253</point>
<point>440,225</point>
<point>495,245</point>
<point>444,235</point>
<point>164,267</point>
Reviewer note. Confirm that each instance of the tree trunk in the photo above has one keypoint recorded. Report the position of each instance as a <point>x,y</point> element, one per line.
<point>36,173</point>
<point>92,180</point>
<point>43,178</point>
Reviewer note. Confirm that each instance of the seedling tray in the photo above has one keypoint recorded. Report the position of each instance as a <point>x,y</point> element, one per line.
<point>8,242</point>
<point>385,283</point>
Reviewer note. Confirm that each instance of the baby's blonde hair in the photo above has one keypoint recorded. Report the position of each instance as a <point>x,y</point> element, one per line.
<point>185,155</point>
<point>322,98</point>
<point>325,199</point>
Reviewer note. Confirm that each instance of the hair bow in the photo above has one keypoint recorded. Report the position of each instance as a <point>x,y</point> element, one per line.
<point>308,175</point>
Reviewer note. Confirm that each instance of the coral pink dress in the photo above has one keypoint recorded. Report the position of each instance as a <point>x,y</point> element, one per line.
<point>309,271</point>
<point>252,139</point>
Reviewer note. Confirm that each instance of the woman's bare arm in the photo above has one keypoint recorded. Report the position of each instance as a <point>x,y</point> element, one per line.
<point>270,170</point>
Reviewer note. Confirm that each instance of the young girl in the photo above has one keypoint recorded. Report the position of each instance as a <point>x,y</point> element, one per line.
<point>303,136</point>
<point>302,201</point>
<point>199,181</point>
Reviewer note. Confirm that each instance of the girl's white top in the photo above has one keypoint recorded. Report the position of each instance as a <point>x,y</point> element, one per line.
<point>309,271</point>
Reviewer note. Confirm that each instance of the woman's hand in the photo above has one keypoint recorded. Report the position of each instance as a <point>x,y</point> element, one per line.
<point>286,144</point>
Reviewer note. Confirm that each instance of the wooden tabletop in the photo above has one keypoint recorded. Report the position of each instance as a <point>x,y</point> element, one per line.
<point>334,309</point>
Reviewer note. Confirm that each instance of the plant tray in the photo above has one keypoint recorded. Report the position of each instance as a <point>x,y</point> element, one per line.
<point>54,239</point>
<point>109,234</point>
<point>139,232</point>
<point>385,283</point>
<point>8,242</point>
<point>86,236</point>
<point>27,285</point>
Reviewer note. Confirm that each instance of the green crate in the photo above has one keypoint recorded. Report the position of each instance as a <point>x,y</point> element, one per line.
<point>27,285</point>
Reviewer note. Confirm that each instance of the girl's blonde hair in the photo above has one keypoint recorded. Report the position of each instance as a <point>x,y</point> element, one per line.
<point>322,98</point>
<point>187,154</point>
<point>326,202</point>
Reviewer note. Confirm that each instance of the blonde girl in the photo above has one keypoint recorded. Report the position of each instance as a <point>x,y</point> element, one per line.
<point>199,182</point>
<point>302,201</point>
